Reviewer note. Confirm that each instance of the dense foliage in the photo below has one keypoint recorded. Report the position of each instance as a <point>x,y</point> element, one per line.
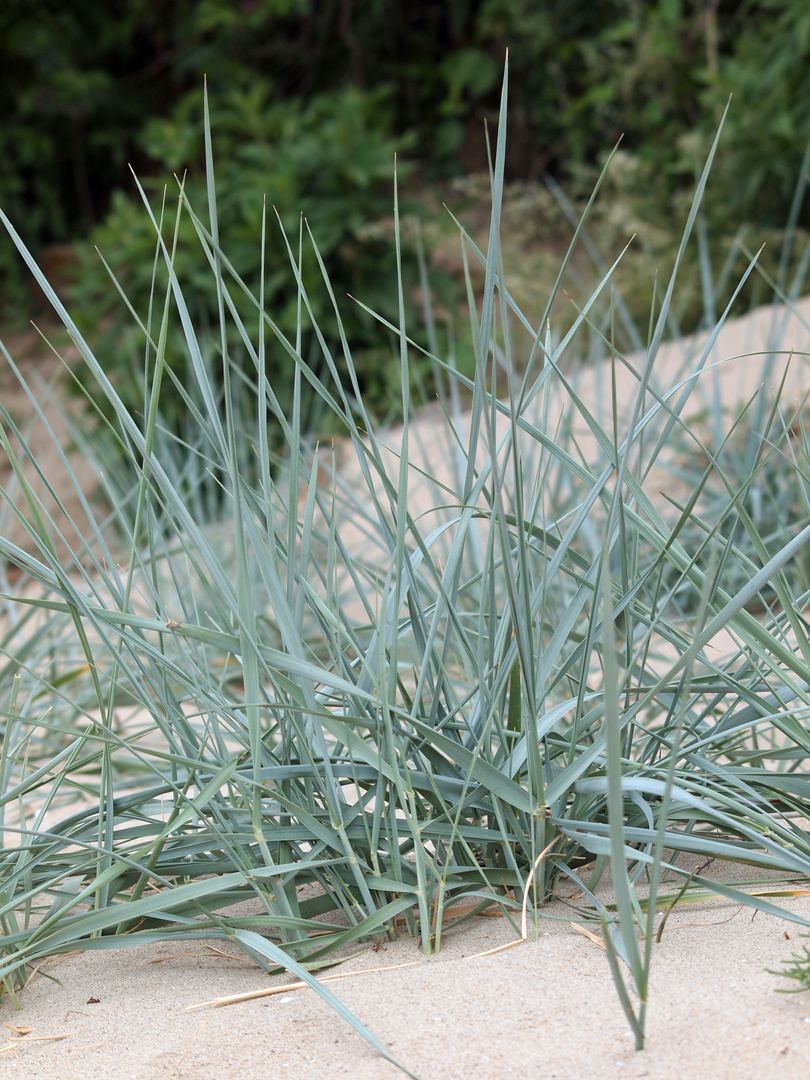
<point>330,159</point>
<point>80,82</point>
<point>310,99</point>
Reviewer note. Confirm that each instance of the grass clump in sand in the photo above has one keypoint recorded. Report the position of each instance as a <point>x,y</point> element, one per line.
<point>400,682</point>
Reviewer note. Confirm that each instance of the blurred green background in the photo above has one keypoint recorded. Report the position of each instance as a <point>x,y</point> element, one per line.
<point>310,99</point>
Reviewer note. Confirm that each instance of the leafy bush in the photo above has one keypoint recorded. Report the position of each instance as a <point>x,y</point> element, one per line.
<point>331,160</point>
<point>80,80</point>
<point>659,75</point>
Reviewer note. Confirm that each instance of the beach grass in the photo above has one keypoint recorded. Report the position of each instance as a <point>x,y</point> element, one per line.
<point>411,675</point>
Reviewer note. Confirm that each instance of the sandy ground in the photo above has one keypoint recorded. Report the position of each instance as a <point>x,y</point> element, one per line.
<point>546,1008</point>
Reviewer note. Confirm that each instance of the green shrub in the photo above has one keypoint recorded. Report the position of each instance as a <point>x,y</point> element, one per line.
<point>331,160</point>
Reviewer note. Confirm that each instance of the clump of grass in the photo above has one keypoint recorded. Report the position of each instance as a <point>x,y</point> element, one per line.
<point>433,677</point>
<point>797,969</point>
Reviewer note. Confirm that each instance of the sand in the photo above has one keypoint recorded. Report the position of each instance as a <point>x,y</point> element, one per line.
<point>546,1008</point>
